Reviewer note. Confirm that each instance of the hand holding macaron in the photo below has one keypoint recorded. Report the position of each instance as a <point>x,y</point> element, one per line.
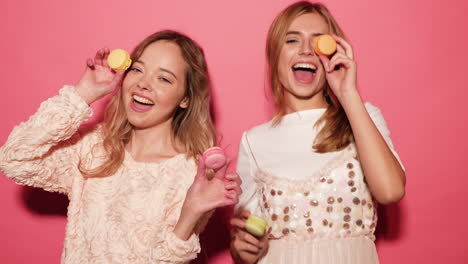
<point>249,241</point>
<point>221,190</point>
<point>340,69</point>
<point>98,79</point>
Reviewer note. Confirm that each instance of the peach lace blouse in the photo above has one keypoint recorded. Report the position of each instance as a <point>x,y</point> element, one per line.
<point>125,218</point>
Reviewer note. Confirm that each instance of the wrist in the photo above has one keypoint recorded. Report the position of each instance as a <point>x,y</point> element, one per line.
<point>349,98</point>
<point>185,225</point>
<point>85,94</point>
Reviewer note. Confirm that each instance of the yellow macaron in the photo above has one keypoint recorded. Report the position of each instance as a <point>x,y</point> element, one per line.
<point>119,59</point>
<point>255,225</point>
<point>324,45</point>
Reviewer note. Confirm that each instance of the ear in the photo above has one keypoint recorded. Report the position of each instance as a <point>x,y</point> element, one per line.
<point>184,103</point>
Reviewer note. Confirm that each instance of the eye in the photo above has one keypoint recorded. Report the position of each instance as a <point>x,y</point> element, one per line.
<point>134,69</point>
<point>291,41</point>
<point>164,80</point>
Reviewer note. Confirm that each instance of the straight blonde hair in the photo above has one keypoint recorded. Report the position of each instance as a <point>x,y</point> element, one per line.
<point>335,133</point>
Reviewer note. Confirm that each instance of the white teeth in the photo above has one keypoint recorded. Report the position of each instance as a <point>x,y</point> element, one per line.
<point>142,100</point>
<point>305,66</point>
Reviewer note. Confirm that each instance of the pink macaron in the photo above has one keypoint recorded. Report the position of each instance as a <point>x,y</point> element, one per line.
<point>214,158</point>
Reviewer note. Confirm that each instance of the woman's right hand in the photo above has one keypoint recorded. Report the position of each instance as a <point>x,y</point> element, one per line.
<point>246,248</point>
<point>98,79</point>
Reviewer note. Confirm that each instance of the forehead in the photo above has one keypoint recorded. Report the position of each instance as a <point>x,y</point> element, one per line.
<point>163,53</point>
<point>309,23</point>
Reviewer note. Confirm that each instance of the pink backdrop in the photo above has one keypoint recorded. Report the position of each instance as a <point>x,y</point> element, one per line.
<point>412,64</point>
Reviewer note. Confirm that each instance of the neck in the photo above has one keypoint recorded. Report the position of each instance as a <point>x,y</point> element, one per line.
<point>295,104</point>
<point>153,144</point>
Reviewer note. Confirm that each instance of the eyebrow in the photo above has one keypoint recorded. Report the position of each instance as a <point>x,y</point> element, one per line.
<point>160,68</point>
<point>299,33</point>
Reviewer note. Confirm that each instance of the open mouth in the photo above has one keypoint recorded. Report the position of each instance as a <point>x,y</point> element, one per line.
<point>304,72</point>
<point>141,104</point>
<point>142,100</point>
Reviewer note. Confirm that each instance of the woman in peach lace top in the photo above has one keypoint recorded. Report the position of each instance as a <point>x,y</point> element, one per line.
<point>137,193</point>
<point>314,171</point>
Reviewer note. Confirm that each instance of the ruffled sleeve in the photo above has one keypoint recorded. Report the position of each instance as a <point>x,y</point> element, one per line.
<point>43,152</point>
<point>379,121</point>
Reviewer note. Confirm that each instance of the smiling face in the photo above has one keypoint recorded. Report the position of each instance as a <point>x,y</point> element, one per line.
<point>154,87</point>
<point>300,71</point>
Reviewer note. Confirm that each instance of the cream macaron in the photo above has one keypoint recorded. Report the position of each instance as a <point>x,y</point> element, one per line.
<point>119,59</point>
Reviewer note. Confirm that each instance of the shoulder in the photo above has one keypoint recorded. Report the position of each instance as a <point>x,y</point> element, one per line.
<point>259,131</point>
<point>371,109</point>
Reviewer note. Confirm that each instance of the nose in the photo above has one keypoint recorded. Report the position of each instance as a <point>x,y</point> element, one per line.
<point>306,48</point>
<point>143,83</point>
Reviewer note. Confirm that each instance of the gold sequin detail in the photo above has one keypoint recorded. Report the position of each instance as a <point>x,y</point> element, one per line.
<point>356,200</point>
<point>286,218</point>
<point>330,181</point>
<point>351,183</point>
<point>340,199</point>
<point>346,226</point>
<point>331,200</point>
<point>314,203</point>
<point>286,210</point>
<point>274,217</point>
<point>280,192</point>
<point>353,189</point>
<point>350,165</point>
<point>309,222</point>
<point>359,222</point>
<point>347,210</point>
<point>273,192</point>
<point>285,231</point>
<point>329,209</point>
<point>322,179</point>
<point>347,218</point>
<point>306,193</point>
<point>310,230</point>
<point>325,222</point>
<point>351,174</point>
<point>306,214</point>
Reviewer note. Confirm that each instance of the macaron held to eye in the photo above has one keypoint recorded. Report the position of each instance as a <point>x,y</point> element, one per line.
<point>214,158</point>
<point>324,45</point>
<point>119,59</point>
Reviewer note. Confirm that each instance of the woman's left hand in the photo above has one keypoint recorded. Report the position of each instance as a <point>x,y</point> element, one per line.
<point>205,195</point>
<point>342,79</point>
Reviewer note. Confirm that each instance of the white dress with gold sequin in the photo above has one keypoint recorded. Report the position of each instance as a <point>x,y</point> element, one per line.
<point>318,207</point>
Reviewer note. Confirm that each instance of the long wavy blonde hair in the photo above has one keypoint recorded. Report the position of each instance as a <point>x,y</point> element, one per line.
<point>193,125</point>
<point>336,132</point>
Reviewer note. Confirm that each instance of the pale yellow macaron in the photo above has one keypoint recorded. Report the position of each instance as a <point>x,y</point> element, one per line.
<point>324,45</point>
<point>119,59</point>
<point>255,225</point>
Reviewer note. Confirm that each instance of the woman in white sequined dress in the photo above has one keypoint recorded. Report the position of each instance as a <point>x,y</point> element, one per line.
<point>316,171</point>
